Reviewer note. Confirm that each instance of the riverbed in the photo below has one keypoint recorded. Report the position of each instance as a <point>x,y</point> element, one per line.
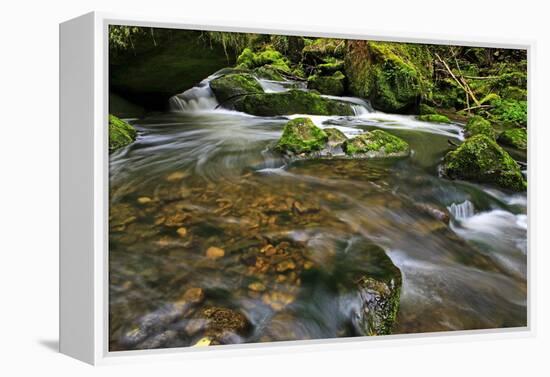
<point>201,177</point>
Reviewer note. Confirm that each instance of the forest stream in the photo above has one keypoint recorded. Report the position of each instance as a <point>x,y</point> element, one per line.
<point>202,206</point>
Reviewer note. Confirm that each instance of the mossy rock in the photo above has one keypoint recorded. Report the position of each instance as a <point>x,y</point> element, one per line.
<point>300,135</point>
<point>375,144</point>
<point>332,85</point>
<point>249,59</point>
<point>481,159</point>
<point>234,85</point>
<point>424,109</point>
<point>373,283</point>
<point>510,112</point>
<point>331,65</point>
<point>120,133</point>
<point>291,102</point>
<point>268,72</point>
<point>393,76</point>
<point>515,137</point>
<point>335,137</point>
<point>322,48</point>
<point>478,125</point>
<point>433,118</point>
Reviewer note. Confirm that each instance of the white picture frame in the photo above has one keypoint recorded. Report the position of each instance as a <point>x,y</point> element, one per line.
<point>84,193</point>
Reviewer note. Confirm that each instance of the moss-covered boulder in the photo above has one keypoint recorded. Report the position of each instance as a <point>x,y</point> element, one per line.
<point>481,159</point>
<point>234,85</point>
<point>375,144</point>
<point>336,137</point>
<point>120,133</point>
<point>433,118</point>
<point>268,72</point>
<point>373,284</point>
<point>424,109</point>
<point>515,137</point>
<point>250,59</point>
<point>332,85</point>
<point>393,76</point>
<point>320,49</point>
<point>300,135</point>
<point>478,125</point>
<point>291,102</point>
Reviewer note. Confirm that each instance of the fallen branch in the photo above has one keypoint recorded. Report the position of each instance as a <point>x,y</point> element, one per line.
<point>477,107</point>
<point>463,85</point>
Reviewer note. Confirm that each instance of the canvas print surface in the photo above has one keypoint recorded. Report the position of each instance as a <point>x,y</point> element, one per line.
<point>268,188</point>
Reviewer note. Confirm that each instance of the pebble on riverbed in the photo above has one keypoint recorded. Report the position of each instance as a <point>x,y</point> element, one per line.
<point>214,253</point>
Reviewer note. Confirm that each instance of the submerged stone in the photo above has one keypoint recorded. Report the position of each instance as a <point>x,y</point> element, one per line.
<point>481,159</point>
<point>234,85</point>
<point>332,85</point>
<point>120,133</point>
<point>300,135</point>
<point>291,102</point>
<point>376,143</point>
<point>220,325</point>
<point>515,137</point>
<point>478,125</point>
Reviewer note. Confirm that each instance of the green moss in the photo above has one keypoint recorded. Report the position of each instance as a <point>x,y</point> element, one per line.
<point>331,85</point>
<point>249,59</point>
<point>393,76</point>
<point>331,65</point>
<point>320,49</point>
<point>510,112</point>
<point>300,135</point>
<point>514,93</point>
<point>434,118</point>
<point>268,72</point>
<point>481,159</point>
<point>335,137</point>
<point>291,102</point>
<point>376,143</point>
<point>233,85</point>
<point>424,109</point>
<point>515,137</point>
<point>478,125</point>
<point>120,133</point>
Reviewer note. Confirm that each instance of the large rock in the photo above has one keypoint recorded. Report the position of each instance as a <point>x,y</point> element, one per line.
<point>515,137</point>
<point>233,85</point>
<point>481,159</point>
<point>250,59</point>
<point>120,133</point>
<point>371,289</point>
<point>332,85</point>
<point>376,143</point>
<point>300,135</point>
<point>393,76</point>
<point>478,125</point>
<point>291,102</point>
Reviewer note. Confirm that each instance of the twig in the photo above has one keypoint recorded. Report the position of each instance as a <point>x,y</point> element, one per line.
<point>477,107</point>
<point>465,88</point>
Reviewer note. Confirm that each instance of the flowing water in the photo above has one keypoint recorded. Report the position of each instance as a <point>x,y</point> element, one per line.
<point>200,177</point>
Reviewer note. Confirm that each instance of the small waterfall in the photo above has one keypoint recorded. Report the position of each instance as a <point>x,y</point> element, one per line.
<point>462,210</point>
<point>195,99</point>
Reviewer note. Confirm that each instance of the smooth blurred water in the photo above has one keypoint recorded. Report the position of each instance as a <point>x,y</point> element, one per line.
<point>229,190</point>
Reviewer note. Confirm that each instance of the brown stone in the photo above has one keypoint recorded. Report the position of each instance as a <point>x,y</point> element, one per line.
<point>214,253</point>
